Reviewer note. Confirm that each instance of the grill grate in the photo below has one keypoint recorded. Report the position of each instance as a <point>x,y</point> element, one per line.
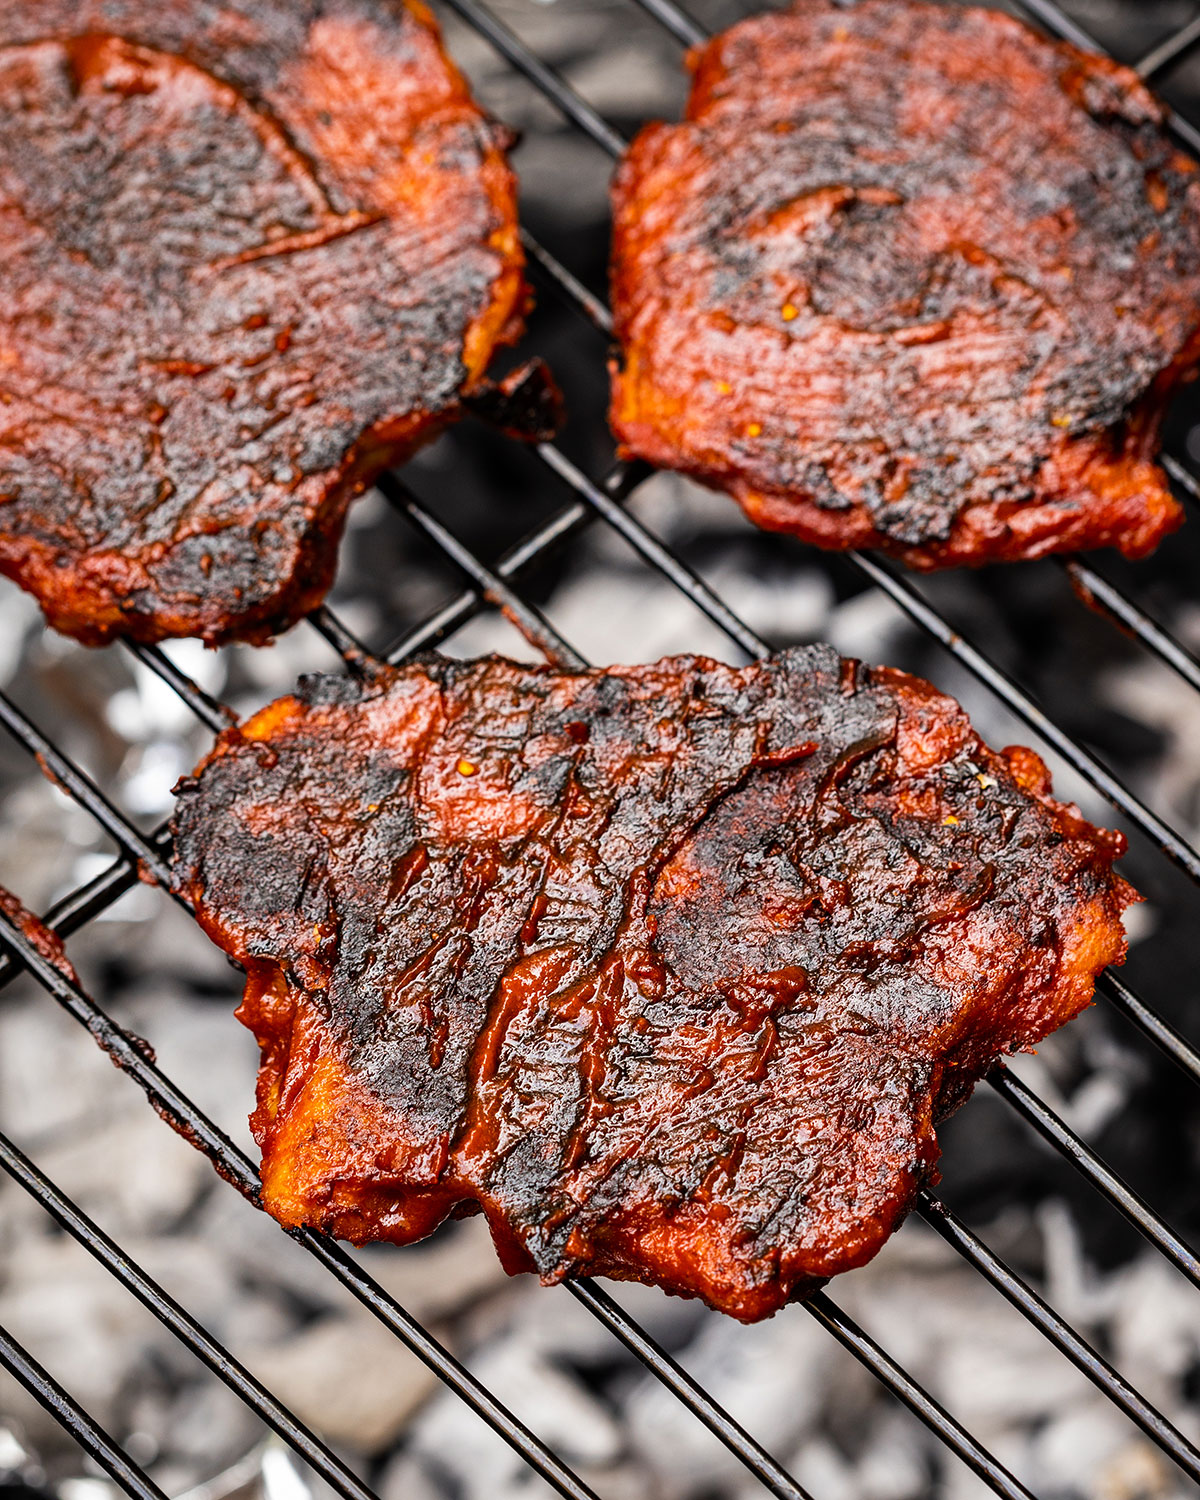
<point>496,586</point>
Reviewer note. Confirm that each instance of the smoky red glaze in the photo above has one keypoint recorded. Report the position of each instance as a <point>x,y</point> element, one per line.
<point>253,252</point>
<point>670,970</point>
<point>911,277</point>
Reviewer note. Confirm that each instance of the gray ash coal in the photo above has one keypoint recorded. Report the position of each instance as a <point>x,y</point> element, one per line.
<point>794,1387</point>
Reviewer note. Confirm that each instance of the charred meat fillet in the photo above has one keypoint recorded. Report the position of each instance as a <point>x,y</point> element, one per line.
<point>668,969</point>
<point>909,276</point>
<point>253,251</point>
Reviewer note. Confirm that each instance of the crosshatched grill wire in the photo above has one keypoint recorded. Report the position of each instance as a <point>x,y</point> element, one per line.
<point>495,586</point>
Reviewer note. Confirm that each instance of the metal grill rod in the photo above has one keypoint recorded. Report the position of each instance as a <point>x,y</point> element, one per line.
<point>648,546</point>
<point>900,1382</point>
<point>206,708</point>
<point>1118,1192</point>
<point>87,901</point>
<point>348,646</point>
<point>1127,616</point>
<point>532,624</point>
<point>90,1436</point>
<point>1060,1334</point>
<point>1082,761</point>
<point>1168,51</point>
<point>1181,476</point>
<point>1150,1023</point>
<point>568,286</point>
<point>718,1421</point>
<point>196,1338</point>
<point>70,778</point>
<point>564,523</point>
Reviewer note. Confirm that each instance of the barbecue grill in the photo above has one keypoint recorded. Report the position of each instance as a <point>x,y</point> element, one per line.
<point>598,502</point>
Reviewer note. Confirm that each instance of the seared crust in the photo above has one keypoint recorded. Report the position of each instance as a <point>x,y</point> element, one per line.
<point>910,277</point>
<point>669,969</point>
<point>253,252</point>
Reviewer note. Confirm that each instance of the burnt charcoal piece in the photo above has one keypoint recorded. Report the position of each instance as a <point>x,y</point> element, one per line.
<point>253,252</point>
<point>668,969</point>
<point>910,277</point>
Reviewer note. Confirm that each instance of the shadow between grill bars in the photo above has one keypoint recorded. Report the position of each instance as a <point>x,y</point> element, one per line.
<point>493,587</point>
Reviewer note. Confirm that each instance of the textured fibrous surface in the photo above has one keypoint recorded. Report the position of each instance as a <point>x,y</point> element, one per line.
<point>252,252</point>
<point>669,969</point>
<point>909,276</point>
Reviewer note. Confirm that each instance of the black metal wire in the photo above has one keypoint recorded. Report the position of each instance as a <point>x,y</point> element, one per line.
<point>1082,761</point>
<point>1064,1140</point>
<point>655,553</point>
<point>67,775</point>
<point>90,1436</point>
<point>1061,1334</point>
<point>530,621</point>
<point>569,287</point>
<point>620,480</point>
<point>1150,1023</point>
<point>348,646</point>
<point>548,80</point>
<point>1181,476</point>
<point>656,1359</point>
<point>202,704</point>
<point>1170,50</point>
<point>1097,591</point>
<point>900,1382</point>
<point>189,1332</point>
<point>79,906</point>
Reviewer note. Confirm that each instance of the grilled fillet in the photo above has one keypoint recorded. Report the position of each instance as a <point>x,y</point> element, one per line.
<point>253,251</point>
<point>910,277</point>
<point>668,969</point>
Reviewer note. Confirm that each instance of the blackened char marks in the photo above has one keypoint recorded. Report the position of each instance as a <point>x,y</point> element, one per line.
<point>909,276</point>
<point>670,969</point>
<point>252,253</point>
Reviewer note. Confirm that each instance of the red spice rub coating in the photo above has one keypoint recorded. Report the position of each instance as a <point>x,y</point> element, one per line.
<point>253,252</point>
<point>909,276</point>
<point>669,969</point>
